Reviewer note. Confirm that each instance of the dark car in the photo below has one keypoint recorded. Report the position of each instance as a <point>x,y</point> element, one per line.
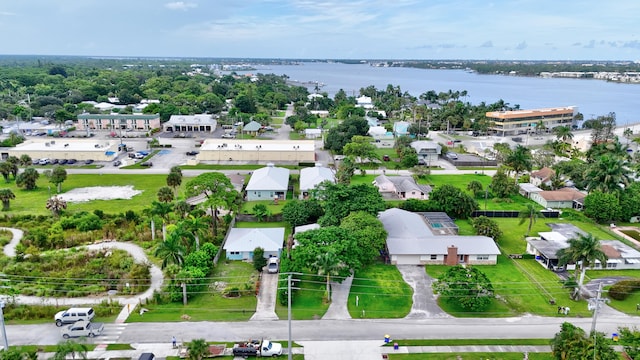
<point>421,162</point>
<point>62,161</point>
<point>88,161</point>
<point>54,161</point>
<point>35,161</point>
<point>146,164</point>
<point>386,158</point>
<point>72,161</point>
<point>193,152</point>
<point>117,163</point>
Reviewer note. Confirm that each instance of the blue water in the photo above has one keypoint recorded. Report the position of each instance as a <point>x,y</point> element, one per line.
<point>592,97</point>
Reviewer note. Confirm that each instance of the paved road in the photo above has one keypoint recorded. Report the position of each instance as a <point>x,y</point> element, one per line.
<point>425,304</point>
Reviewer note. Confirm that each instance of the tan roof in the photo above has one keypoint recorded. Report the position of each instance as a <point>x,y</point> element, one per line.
<point>564,194</point>
<point>544,173</point>
<point>611,252</point>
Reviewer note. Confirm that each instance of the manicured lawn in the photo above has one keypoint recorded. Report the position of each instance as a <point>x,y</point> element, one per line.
<point>381,292</point>
<point>470,356</point>
<point>211,305</point>
<point>308,302</point>
<point>247,207</point>
<point>33,201</point>
<point>462,342</point>
<point>460,181</point>
<point>628,305</point>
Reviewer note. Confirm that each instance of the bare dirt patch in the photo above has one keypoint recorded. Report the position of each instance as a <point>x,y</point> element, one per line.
<point>99,193</point>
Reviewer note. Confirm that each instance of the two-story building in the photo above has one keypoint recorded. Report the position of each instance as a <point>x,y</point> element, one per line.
<point>135,122</point>
<point>429,151</point>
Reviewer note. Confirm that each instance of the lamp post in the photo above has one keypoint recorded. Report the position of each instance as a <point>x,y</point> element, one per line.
<point>296,148</point>
<point>258,147</point>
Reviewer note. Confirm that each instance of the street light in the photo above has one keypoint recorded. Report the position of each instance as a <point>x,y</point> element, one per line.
<point>296,148</point>
<point>258,147</point>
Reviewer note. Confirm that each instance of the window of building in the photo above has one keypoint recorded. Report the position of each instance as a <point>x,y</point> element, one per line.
<point>235,253</point>
<point>612,265</point>
<point>482,257</point>
<point>434,257</point>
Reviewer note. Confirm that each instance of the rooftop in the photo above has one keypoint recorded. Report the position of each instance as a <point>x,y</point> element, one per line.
<point>258,145</point>
<point>67,145</point>
<point>531,113</point>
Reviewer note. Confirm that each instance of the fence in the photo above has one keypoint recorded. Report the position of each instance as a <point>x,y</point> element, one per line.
<point>553,214</point>
<point>220,250</point>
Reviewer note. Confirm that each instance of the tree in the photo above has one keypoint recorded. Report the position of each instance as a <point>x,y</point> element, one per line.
<point>339,136</point>
<point>18,353</point>
<point>361,147</point>
<point>486,227</point>
<point>6,195</point>
<point>57,177</point>
<point>340,200</point>
<point>628,133</point>
<point>163,210</point>
<point>602,207</point>
<point>328,265</point>
<point>196,226</point>
<point>14,162</point>
<point>572,343</point>
<point>409,157</point>
<point>455,202</point>
<point>475,187</point>
<point>28,178</point>
<point>519,160</point>
<point>529,213</point>
<point>563,133</point>
<point>346,169</point>
<point>501,186</point>
<point>197,349</point>
<point>259,261</point>
<point>70,347</point>
<point>466,287</point>
<point>174,180</point>
<point>165,194</point>
<point>56,205</point>
<point>583,251</point>
<point>171,251</point>
<point>607,174</point>
<point>401,143</point>
<point>630,341</point>
<point>329,239</point>
<point>219,193</point>
<point>261,211</point>
<point>301,212</point>
<point>25,160</point>
<point>5,170</point>
<point>369,234</point>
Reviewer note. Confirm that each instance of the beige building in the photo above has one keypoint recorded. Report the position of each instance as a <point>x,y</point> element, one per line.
<point>260,151</point>
<point>64,148</point>
<point>523,121</point>
<point>135,122</point>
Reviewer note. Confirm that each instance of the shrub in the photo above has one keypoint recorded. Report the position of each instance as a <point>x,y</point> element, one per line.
<point>622,289</point>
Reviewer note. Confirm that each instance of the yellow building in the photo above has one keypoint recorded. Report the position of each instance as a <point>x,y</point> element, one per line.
<point>523,121</point>
<point>259,151</point>
<point>64,148</point>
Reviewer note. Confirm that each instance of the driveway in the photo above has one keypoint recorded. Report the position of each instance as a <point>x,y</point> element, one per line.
<point>425,305</point>
<point>266,307</point>
<point>339,296</point>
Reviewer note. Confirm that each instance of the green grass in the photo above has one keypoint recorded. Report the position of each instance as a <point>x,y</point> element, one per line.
<point>247,207</point>
<point>381,292</point>
<point>470,356</point>
<point>210,305</point>
<point>308,302</point>
<point>46,348</point>
<point>465,342</point>
<point>119,347</point>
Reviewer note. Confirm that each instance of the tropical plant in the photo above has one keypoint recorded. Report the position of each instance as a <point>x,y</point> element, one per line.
<point>6,195</point>
<point>196,225</point>
<point>486,227</point>
<point>70,347</point>
<point>25,160</point>
<point>28,178</point>
<point>328,265</point>
<point>5,170</point>
<point>261,211</point>
<point>475,187</point>
<point>163,210</point>
<point>608,174</point>
<point>563,133</point>
<point>529,213</point>
<point>467,287</point>
<point>519,160</point>
<point>218,191</point>
<point>171,251</point>
<point>56,205</point>
<point>174,180</point>
<point>57,176</point>
<point>197,349</point>
<point>165,194</point>
<point>583,251</point>
<point>572,343</point>
<point>259,260</point>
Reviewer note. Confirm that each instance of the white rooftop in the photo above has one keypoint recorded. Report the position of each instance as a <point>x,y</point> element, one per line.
<point>199,119</point>
<point>247,239</point>
<point>67,145</point>
<point>312,176</point>
<point>258,145</point>
<point>269,178</point>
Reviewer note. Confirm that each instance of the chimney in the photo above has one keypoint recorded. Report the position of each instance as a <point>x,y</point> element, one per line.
<point>452,256</point>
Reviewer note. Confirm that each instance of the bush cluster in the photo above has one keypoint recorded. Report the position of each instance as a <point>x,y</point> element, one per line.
<point>622,289</point>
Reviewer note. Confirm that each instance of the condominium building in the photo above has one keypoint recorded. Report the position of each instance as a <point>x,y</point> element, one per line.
<point>523,121</point>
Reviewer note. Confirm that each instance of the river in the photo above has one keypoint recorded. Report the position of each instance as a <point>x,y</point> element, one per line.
<point>592,97</point>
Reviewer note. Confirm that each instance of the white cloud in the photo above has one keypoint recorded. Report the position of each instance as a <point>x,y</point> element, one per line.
<point>180,5</point>
<point>6,13</point>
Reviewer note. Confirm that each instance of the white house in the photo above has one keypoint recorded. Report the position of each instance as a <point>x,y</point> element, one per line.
<point>414,240</point>
<point>364,102</point>
<point>402,187</point>
<point>268,183</point>
<point>310,177</point>
<point>429,151</point>
<point>241,242</point>
<point>562,198</point>
<point>312,133</point>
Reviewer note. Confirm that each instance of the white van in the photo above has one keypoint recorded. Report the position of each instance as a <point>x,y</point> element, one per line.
<point>74,314</point>
<point>272,265</point>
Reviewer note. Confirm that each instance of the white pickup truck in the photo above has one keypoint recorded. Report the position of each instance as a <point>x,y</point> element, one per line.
<point>264,348</point>
<point>82,329</point>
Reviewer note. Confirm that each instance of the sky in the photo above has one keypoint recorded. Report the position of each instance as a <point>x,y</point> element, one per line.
<point>325,29</point>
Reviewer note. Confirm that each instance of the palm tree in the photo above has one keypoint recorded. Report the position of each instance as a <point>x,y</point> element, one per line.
<point>327,264</point>
<point>607,173</point>
<point>582,251</point>
<point>70,347</point>
<point>197,349</point>
<point>628,133</point>
<point>5,170</point>
<point>6,195</point>
<point>163,210</point>
<point>25,160</point>
<point>197,226</point>
<point>181,208</point>
<point>171,251</point>
<point>28,178</point>
<point>174,180</point>
<point>563,133</point>
<point>529,213</point>
<point>56,205</point>
<point>165,194</point>
<point>519,160</point>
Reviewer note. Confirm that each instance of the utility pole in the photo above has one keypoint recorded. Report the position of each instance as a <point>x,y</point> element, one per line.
<point>595,317</point>
<point>289,355</point>
<point>4,330</point>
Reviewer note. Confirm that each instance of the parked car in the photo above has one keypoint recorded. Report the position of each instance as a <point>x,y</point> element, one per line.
<point>83,329</point>
<point>88,161</point>
<point>54,161</point>
<point>228,136</point>
<point>139,155</point>
<point>452,156</point>
<point>192,153</point>
<point>62,161</point>
<point>273,265</point>
<point>72,315</point>
<point>421,162</point>
<point>386,158</point>
<point>117,163</point>
<point>72,161</point>
<point>34,161</point>
<point>44,161</point>
<point>264,348</point>
<point>146,164</point>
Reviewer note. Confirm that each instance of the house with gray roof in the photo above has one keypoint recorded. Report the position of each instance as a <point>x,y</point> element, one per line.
<point>412,240</point>
<point>252,128</point>
<point>429,151</point>
<point>241,242</point>
<point>401,187</point>
<point>268,183</point>
<point>189,123</point>
<point>310,177</point>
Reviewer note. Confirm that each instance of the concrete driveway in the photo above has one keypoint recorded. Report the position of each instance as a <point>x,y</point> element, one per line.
<point>425,305</point>
<point>266,307</point>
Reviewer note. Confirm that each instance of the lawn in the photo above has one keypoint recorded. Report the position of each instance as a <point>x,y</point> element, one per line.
<point>470,356</point>
<point>465,342</point>
<point>211,305</point>
<point>308,302</point>
<point>26,201</point>
<point>247,206</point>
<point>381,293</point>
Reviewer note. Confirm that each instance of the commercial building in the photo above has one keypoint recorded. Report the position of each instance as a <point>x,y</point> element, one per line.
<point>523,121</point>
<point>136,122</point>
<point>64,148</point>
<point>188,123</point>
<point>260,151</point>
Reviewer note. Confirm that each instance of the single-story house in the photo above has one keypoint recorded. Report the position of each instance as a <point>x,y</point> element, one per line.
<point>364,102</point>
<point>186,123</point>
<point>526,189</point>
<point>310,177</point>
<point>429,151</point>
<point>312,133</point>
<point>411,240</point>
<point>252,128</point>
<point>403,187</point>
<point>268,183</point>
<point>401,128</point>
<point>565,198</point>
<point>241,242</point>
<point>542,176</point>
<point>381,136</point>
<point>320,113</point>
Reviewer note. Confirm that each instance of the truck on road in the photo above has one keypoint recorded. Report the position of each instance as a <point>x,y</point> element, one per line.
<point>82,328</point>
<point>256,348</point>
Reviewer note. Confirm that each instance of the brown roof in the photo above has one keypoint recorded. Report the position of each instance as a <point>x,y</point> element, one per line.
<point>564,194</point>
<point>611,252</point>
<point>544,173</point>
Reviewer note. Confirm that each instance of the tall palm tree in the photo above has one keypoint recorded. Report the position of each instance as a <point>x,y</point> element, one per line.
<point>6,195</point>
<point>327,264</point>
<point>171,251</point>
<point>607,173</point>
<point>181,208</point>
<point>563,133</point>
<point>196,226</point>
<point>56,205</point>
<point>5,170</point>
<point>163,210</point>
<point>519,160</point>
<point>531,214</point>
<point>165,194</point>
<point>174,180</point>
<point>583,251</point>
